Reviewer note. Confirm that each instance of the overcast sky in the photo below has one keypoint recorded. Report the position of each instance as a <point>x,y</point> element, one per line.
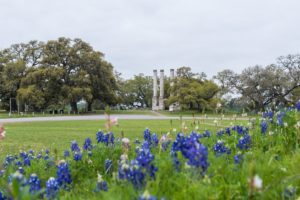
<point>138,36</point>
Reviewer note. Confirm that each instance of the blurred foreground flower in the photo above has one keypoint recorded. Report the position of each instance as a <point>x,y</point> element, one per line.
<point>255,183</point>
<point>2,132</point>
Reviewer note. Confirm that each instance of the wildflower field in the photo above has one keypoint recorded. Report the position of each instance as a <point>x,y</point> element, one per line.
<point>171,159</point>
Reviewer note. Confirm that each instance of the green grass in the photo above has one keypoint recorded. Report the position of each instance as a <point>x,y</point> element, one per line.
<point>274,158</point>
<point>38,114</point>
<point>59,134</point>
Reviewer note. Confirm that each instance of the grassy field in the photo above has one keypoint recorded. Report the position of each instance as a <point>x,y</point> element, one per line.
<point>59,134</point>
<point>268,169</point>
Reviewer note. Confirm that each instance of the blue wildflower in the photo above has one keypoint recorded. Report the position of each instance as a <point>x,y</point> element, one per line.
<point>238,158</point>
<point>77,156</point>
<point>63,175</point>
<point>47,151</point>
<point>108,165</point>
<point>154,139</point>
<point>264,126</point>
<point>111,138</point>
<point>147,135</point>
<point>2,197</point>
<point>27,162</point>
<point>101,184</point>
<point>52,188</point>
<point>220,148</point>
<point>280,116</point>
<point>21,170</point>
<point>268,115</point>
<point>66,153</point>
<point>34,183</point>
<point>298,106</point>
<point>227,131</point>
<point>206,134</point>
<point>88,144</point>
<point>220,133</point>
<point>244,142</point>
<point>39,156</point>
<point>74,146</point>
<point>99,136</point>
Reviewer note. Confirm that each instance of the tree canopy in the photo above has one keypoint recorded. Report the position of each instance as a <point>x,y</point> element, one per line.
<point>56,73</point>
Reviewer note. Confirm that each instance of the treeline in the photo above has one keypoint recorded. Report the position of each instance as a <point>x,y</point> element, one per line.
<point>259,87</point>
<point>40,76</point>
<point>54,74</point>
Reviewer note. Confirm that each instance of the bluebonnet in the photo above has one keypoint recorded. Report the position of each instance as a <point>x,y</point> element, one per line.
<point>220,133</point>
<point>227,131</point>
<point>298,106</point>
<point>154,139</point>
<point>165,142</point>
<point>21,170</point>
<point>238,158</point>
<point>268,115</point>
<point>46,157</point>
<point>280,116</point>
<point>52,188</point>
<point>63,175</point>
<point>144,159</point>
<point>8,160</point>
<point>39,156</point>
<point>193,150</point>
<point>244,142</point>
<point>107,138</point>
<point>88,144</point>
<point>47,151</point>
<point>77,156</point>
<point>90,153</point>
<point>2,197</point>
<point>101,184</point>
<point>66,153</point>
<point>108,165</point>
<point>74,146</point>
<point>264,126</point>
<point>147,135</point>
<point>99,136</point>
<point>27,162</point>
<point>31,152</point>
<point>240,129</point>
<point>111,137</point>
<point>220,148</point>
<point>34,183</point>
<point>18,163</point>
<point>131,172</point>
<point>206,134</point>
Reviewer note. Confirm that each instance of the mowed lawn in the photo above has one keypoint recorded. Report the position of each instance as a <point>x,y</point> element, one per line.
<point>57,135</point>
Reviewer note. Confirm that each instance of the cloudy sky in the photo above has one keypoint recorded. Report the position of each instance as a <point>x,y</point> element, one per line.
<point>138,36</point>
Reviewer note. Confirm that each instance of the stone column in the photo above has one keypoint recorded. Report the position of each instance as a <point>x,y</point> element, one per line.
<point>172,76</point>
<point>154,98</point>
<point>161,90</point>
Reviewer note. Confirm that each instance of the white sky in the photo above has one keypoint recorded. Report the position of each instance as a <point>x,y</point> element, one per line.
<point>138,36</point>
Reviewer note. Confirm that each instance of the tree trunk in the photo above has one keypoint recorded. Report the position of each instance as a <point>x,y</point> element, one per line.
<point>74,107</point>
<point>89,106</point>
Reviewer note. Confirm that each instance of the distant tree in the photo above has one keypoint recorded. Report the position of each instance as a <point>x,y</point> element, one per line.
<point>58,72</point>
<point>261,86</point>
<point>193,91</point>
<point>137,89</point>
